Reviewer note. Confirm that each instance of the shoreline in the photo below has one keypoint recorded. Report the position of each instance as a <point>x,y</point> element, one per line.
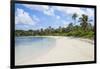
<point>80,38</point>
<point>67,49</point>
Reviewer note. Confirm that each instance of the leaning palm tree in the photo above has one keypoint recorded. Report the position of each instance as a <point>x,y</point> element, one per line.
<point>84,22</point>
<point>74,16</point>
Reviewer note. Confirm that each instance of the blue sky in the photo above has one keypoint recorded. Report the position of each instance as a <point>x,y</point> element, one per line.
<point>42,16</point>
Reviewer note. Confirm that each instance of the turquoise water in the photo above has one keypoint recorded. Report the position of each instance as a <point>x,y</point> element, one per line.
<point>28,47</point>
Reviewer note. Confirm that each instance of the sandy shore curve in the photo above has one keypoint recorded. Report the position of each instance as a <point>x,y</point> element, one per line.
<point>67,49</point>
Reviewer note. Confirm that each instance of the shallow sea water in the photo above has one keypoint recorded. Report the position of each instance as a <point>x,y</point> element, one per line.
<point>28,47</point>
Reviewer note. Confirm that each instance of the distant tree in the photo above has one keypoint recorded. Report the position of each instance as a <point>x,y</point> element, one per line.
<point>41,31</point>
<point>60,29</point>
<point>30,30</point>
<point>70,27</point>
<point>74,16</point>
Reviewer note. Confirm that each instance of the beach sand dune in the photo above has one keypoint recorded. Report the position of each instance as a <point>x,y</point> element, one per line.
<point>67,49</point>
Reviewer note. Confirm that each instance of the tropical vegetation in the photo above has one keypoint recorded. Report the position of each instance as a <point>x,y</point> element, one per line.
<point>84,29</point>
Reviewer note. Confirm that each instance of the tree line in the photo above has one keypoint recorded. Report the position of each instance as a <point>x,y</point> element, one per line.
<point>84,29</point>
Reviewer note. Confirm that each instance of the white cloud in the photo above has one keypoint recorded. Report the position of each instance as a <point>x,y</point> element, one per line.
<point>22,17</point>
<point>72,10</point>
<point>50,10</point>
<point>58,17</point>
<point>36,7</point>
<point>42,8</point>
<point>65,23</point>
<point>90,12</point>
<point>67,10</point>
<point>36,19</point>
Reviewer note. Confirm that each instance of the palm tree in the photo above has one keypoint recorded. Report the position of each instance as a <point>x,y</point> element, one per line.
<point>84,22</point>
<point>74,16</point>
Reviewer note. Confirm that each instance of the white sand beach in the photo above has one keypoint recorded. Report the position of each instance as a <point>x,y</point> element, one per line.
<point>67,49</point>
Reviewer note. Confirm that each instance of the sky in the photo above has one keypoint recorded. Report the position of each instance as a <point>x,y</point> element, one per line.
<point>29,16</point>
